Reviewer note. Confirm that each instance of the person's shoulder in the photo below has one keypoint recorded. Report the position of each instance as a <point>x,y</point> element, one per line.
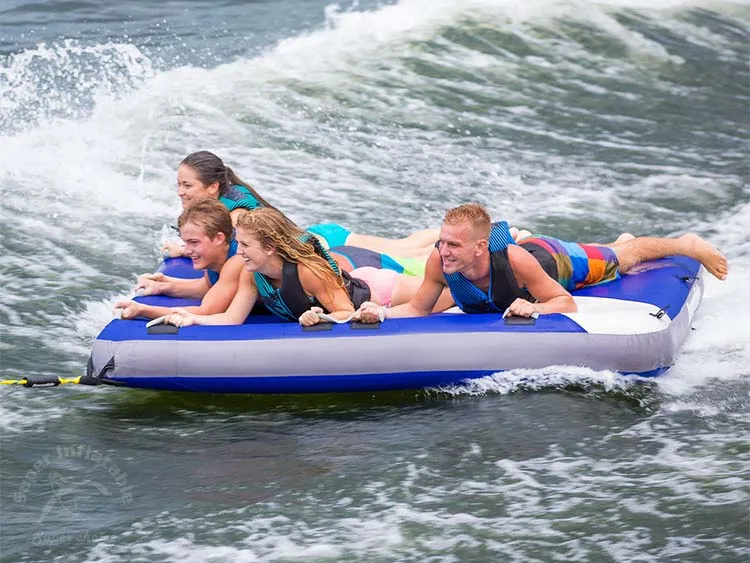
<point>523,263</point>
<point>516,252</point>
<point>305,272</point>
<point>310,282</point>
<point>246,276</point>
<point>233,264</point>
<point>518,256</point>
<point>434,268</point>
<point>237,191</point>
<point>239,197</point>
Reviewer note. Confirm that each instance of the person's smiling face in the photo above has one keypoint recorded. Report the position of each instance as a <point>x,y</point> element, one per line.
<point>191,189</point>
<point>204,251</point>
<point>458,247</point>
<point>252,251</point>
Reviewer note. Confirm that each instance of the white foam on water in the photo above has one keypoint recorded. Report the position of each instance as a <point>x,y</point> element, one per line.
<point>719,347</point>
<point>121,156</point>
<point>516,380</point>
<point>181,549</point>
<point>53,81</point>
<point>88,324</point>
<point>25,411</point>
<point>419,510</point>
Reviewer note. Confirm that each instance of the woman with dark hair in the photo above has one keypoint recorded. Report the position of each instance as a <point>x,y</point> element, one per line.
<point>203,174</point>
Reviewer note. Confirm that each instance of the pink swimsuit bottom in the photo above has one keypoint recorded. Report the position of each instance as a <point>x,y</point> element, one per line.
<point>381,282</point>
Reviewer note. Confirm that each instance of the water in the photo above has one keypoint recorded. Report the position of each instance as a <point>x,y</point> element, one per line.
<point>573,118</point>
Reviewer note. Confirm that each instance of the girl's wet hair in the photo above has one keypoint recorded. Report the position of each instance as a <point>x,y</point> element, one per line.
<point>210,168</point>
<point>274,230</point>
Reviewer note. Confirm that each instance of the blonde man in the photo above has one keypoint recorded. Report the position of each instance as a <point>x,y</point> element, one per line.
<point>487,272</point>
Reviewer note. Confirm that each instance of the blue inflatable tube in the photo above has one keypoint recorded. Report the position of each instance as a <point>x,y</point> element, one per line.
<point>635,325</point>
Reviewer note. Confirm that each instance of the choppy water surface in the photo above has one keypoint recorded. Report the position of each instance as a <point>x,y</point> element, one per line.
<point>581,119</point>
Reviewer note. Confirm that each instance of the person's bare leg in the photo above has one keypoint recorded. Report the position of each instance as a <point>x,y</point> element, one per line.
<point>521,234</point>
<point>624,237</point>
<point>416,245</point>
<point>384,245</point>
<point>632,252</point>
<point>405,288</point>
<point>424,254</point>
<point>426,237</point>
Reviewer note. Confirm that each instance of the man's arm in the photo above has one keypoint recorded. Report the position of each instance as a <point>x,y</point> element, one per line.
<point>159,284</point>
<point>133,309</point>
<point>221,294</point>
<point>216,300</point>
<point>236,313</point>
<point>551,296</point>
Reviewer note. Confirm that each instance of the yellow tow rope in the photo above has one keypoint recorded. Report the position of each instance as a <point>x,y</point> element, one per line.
<point>43,381</point>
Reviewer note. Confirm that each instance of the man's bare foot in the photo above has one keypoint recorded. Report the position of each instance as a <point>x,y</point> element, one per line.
<point>519,234</point>
<point>624,237</point>
<point>703,251</point>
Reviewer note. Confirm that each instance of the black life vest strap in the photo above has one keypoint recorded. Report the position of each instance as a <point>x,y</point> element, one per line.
<point>505,288</point>
<point>295,298</point>
<point>543,256</point>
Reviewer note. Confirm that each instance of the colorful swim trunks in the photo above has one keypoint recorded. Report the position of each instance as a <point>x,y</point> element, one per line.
<point>333,233</point>
<point>574,265</point>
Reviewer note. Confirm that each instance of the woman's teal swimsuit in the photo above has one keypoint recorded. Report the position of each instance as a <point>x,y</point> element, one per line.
<point>239,197</point>
<point>333,233</point>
